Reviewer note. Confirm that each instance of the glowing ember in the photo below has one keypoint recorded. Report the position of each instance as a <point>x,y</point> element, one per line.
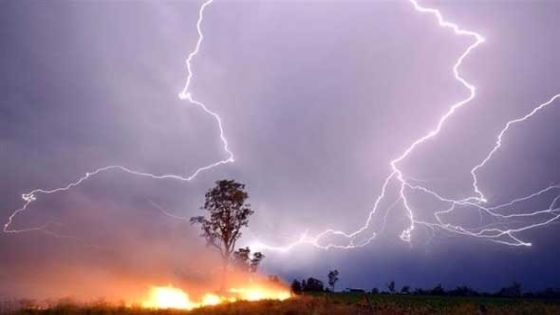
<point>170,297</point>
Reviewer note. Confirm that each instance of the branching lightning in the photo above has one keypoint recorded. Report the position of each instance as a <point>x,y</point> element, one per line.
<point>500,230</point>
<point>498,144</point>
<point>504,236</point>
<point>185,94</point>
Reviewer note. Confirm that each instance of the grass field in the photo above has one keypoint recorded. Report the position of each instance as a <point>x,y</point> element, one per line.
<point>340,303</point>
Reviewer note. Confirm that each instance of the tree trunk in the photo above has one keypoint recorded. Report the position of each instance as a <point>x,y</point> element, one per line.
<point>225,264</point>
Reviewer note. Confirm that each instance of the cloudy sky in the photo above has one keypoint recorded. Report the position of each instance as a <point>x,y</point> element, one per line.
<point>316,99</point>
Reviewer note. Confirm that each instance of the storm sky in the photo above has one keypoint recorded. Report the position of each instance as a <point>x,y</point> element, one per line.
<point>316,98</point>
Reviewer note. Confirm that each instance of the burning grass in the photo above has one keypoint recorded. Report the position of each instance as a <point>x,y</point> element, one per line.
<point>169,297</point>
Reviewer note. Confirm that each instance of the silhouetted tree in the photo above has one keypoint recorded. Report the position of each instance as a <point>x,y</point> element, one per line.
<point>391,287</point>
<point>333,278</point>
<point>419,291</point>
<point>438,290</point>
<point>243,259</point>
<point>405,290</point>
<point>312,285</point>
<point>514,290</point>
<point>375,291</point>
<point>228,213</point>
<point>256,260</point>
<point>296,287</point>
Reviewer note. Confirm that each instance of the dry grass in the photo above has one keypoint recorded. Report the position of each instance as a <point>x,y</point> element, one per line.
<point>334,304</point>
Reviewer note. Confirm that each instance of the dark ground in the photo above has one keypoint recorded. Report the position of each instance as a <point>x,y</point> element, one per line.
<point>339,303</point>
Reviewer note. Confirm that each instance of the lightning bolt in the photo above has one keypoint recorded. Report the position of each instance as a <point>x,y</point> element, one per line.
<point>498,145</point>
<point>396,176</point>
<point>185,94</point>
<point>493,231</point>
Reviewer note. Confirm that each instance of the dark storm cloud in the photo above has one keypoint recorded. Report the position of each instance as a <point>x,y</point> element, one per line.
<point>316,98</point>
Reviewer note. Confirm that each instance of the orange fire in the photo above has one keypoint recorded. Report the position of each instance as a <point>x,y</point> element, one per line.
<point>255,293</point>
<point>169,297</point>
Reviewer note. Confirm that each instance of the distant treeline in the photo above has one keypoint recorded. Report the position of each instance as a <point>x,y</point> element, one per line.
<point>512,291</point>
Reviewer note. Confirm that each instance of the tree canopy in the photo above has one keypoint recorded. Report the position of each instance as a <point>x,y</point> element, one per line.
<point>228,213</point>
<point>333,278</point>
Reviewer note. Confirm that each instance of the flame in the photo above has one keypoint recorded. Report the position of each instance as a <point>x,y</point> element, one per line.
<point>255,293</point>
<point>169,297</point>
<point>211,299</point>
